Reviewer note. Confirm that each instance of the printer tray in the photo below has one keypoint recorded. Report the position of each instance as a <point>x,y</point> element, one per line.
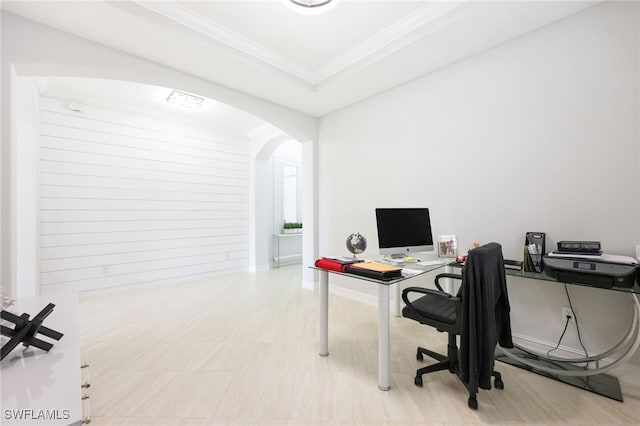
<point>601,281</point>
<point>624,279</point>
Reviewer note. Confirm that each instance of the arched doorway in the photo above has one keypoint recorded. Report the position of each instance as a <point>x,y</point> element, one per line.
<point>275,154</point>
<point>264,143</point>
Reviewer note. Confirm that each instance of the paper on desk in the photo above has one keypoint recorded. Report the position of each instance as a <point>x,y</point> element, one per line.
<point>410,272</point>
<point>433,262</point>
<point>612,258</point>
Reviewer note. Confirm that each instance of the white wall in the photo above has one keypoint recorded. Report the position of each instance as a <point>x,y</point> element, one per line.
<point>27,190</point>
<point>8,200</point>
<point>538,134</point>
<point>19,190</point>
<point>127,200</point>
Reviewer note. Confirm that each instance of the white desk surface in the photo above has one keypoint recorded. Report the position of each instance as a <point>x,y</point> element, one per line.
<point>44,387</point>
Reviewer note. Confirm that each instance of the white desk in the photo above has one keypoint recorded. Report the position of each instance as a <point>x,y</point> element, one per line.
<point>43,388</point>
<point>383,314</point>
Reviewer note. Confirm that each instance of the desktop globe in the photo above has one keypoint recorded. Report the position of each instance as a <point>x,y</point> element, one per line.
<point>356,243</point>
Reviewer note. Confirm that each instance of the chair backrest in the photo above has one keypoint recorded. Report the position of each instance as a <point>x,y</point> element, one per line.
<point>485,314</point>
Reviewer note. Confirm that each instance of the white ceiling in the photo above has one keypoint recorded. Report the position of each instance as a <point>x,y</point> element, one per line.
<point>315,64</point>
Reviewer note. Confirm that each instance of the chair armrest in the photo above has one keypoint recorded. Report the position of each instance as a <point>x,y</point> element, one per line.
<point>422,290</point>
<point>446,275</point>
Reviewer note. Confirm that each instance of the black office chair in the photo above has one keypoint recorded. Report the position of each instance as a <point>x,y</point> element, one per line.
<point>479,314</point>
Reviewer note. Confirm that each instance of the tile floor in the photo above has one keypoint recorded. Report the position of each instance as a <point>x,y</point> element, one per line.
<point>242,349</point>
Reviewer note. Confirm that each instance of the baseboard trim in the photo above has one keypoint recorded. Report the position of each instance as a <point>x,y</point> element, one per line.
<point>542,346</point>
<point>259,268</point>
<point>310,285</point>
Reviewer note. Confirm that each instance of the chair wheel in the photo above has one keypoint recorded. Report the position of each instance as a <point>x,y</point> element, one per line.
<point>499,384</point>
<point>419,356</point>
<point>418,381</point>
<point>473,403</point>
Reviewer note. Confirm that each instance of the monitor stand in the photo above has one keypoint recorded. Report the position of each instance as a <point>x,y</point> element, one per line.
<point>398,256</point>
<point>403,258</point>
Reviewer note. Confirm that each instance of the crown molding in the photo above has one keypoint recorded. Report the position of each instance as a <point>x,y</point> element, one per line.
<point>404,31</point>
<point>221,34</point>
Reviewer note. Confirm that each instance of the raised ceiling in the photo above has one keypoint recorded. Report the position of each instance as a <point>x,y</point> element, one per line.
<point>314,64</point>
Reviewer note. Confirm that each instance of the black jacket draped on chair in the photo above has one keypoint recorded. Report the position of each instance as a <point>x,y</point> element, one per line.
<point>485,315</point>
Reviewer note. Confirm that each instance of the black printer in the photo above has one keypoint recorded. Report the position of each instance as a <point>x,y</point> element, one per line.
<point>604,271</point>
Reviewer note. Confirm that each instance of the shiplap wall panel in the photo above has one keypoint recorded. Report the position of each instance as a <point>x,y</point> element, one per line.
<point>63,252</point>
<point>128,200</point>
<point>137,179</point>
<point>75,262</point>
<point>93,204</point>
<point>128,268</point>
<point>134,156</point>
<point>201,148</point>
<point>113,123</point>
<point>158,275</point>
<point>140,194</point>
<point>53,228</point>
<point>50,216</point>
<point>133,236</point>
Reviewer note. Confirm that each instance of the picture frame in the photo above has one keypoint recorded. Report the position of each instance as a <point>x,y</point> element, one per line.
<point>447,246</point>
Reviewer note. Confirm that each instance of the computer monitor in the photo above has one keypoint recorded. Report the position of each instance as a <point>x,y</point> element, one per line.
<point>403,230</point>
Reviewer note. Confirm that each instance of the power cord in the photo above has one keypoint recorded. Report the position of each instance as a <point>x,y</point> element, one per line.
<point>566,324</point>
<point>566,290</point>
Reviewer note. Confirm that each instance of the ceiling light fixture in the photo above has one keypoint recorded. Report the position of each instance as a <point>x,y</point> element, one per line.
<point>310,3</point>
<point>185,100</point>
<point>310,7</point>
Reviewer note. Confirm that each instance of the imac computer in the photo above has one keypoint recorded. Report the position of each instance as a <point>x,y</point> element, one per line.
<point>403,230</point>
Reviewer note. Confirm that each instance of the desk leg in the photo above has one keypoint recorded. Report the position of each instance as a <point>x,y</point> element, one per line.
<point>396,300</point>
<point>383,338</point>
<point>324,313</point>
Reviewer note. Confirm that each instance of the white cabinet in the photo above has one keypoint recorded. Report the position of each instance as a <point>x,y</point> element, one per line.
<point>38,387</point>
<point>287,249</point>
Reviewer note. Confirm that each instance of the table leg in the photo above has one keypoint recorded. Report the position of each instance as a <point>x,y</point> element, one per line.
<point>396,300</point>
<point>383,338</point>
<point>324,313</point>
